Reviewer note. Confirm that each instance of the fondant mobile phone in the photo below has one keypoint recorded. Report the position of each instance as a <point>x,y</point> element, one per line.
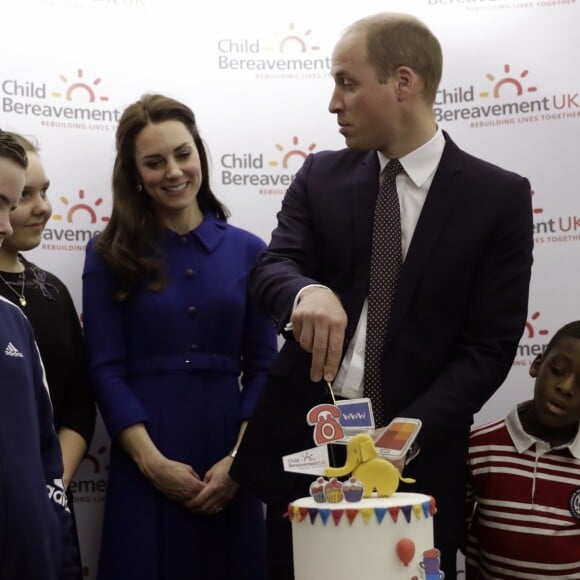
<point>393,441</point>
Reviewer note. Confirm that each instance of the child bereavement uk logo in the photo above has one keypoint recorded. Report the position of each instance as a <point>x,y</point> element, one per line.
<point>271,173</point>
<point>65,101</point>
<point>504,98</point>
<point>551,228</point>
<point>290,54</point>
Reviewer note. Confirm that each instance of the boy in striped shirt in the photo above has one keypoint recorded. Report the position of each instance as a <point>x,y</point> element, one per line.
<point>524,474</point>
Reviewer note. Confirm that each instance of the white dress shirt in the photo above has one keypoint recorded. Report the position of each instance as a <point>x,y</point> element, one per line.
<point>412,187</point>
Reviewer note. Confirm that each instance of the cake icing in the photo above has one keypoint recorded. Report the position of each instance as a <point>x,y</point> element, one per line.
<point>377,538</point>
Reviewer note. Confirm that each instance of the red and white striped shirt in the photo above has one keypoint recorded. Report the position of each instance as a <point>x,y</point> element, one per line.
<point>526,521</point>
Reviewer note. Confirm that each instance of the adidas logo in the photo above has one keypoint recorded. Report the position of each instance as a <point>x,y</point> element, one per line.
<point>11,350</point>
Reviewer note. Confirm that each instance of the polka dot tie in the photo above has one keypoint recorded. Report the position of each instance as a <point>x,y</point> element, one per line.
<point>386,259</point>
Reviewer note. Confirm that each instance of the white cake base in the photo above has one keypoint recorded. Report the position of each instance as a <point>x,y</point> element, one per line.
<point>367,546</point>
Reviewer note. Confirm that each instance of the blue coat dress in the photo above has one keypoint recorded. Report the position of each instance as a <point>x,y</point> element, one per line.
<point>175,360</point>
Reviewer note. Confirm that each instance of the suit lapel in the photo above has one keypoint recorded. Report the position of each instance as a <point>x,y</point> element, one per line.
<point>440,201</point>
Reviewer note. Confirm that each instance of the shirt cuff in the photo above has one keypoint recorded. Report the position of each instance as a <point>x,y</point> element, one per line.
<point>288,327</point>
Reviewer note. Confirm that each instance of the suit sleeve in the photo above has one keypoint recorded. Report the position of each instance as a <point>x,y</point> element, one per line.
<point>290,261</point>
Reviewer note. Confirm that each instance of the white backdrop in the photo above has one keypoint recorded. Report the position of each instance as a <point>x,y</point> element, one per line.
<point>256,74</point>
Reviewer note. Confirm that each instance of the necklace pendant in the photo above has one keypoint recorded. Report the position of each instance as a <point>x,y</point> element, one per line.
<point>22,301</point>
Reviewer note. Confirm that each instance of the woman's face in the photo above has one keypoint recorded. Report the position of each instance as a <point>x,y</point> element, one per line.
<point>169,167</point>
<point>33,210</point>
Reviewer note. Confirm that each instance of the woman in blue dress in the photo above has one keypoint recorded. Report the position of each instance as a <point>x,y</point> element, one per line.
<point>178,355</point>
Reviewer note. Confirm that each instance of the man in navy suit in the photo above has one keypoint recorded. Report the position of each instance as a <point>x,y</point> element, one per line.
<point>461,300</point>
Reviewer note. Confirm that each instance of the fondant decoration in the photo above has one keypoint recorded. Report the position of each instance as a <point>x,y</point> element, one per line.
<point>327,427</point>
<point>356,415</point>
<point>430,564</point>
<point>317,490</point>
<point>394,440</point>
<point>406,550</point>
<point>363,462</point>
<point>311,461</point>
<point>333,491</point>
<point>353,490</point>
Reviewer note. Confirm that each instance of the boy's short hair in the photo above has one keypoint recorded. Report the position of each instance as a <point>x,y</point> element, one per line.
<point>570,330</point>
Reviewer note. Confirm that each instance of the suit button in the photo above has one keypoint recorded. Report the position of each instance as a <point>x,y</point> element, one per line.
<point>191,310</point>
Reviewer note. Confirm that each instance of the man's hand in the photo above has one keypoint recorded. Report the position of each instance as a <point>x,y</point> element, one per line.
<point>319,323</point>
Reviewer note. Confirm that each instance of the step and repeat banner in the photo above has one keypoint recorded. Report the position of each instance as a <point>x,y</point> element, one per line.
<point>256,74</point>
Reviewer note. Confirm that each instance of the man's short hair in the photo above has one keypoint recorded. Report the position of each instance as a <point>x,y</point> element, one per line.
<point>394,40</point>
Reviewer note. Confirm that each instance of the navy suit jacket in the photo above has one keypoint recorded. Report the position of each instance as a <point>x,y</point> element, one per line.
<point>458,315</point>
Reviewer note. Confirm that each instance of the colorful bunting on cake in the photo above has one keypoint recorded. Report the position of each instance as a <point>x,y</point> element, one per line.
<point>421,510</point>
<point>406,509</point>
<point>380,514</point>
<point>418,508</point>
<point>324,515</point>
<point>337,516</point>
<point>432,507</point>
<point>367,514</point>
<point>351,515</point>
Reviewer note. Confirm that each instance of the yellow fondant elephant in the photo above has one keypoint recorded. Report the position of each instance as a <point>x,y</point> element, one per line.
<point>365,465</point>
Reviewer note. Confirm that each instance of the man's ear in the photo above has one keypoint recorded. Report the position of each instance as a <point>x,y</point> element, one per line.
<point>408,82</point>
<point>535,366</point>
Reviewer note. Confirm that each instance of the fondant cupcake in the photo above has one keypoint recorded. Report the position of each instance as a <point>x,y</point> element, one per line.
<point>353,490</point>
<point>333,491</point>
<point>317,490</point>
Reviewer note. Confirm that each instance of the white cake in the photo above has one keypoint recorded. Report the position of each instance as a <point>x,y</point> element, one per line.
<point>374,539</point>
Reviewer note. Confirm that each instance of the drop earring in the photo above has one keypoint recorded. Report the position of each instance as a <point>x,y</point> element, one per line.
<point>139,188</point>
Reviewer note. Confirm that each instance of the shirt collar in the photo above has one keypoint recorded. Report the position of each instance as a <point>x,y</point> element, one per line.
<point>209,233</point>
<point>523,440</point>
<point>420,164</point>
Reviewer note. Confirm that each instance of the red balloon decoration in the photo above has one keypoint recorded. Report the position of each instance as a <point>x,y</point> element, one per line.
<point>405,550</point>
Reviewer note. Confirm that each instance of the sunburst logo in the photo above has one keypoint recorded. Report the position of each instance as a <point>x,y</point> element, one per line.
<point>507,81</point>
<point>98,460</point>
<point>293,41</point>
<point>530,326</point>
<point>82,208</point>
<point>79,85</point>
<point>295,152</point>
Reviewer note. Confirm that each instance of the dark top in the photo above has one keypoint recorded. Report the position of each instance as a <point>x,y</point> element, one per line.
<point>36,540</point>
<point>55,321</point>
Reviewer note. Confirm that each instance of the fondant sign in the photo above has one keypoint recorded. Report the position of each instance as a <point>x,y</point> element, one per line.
<point>312,461</point>
<point>356,415</point>
<point>326,421</point>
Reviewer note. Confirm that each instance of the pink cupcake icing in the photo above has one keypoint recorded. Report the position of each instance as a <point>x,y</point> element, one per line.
<point>333,491</point>
<point>317,490</point>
